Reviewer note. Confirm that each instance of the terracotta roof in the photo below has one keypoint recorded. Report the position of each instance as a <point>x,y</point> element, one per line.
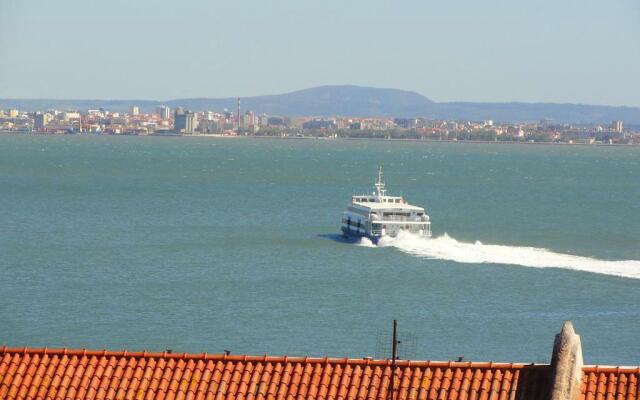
<point>615,383</point>
<point>29,373</point>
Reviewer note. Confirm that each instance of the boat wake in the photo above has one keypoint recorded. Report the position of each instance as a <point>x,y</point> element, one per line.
<point>366,242</point>
<point>447,248</point>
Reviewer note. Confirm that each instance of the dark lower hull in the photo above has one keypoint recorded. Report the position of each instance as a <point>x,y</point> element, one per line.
<point>355,235</point>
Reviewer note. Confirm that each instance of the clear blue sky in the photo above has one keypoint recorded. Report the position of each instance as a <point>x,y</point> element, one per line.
<point>544,50</point>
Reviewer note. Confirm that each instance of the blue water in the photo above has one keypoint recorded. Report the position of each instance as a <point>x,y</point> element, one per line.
<point>202,244</point>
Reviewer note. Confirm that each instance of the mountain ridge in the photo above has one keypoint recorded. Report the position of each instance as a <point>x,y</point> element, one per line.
<point>360,101</point>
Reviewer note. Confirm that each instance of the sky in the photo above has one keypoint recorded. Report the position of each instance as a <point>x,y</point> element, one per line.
<point>576,51</point>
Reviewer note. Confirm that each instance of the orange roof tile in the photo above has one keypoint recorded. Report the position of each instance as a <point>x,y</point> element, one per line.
<point>610,383</point>
<point>30,373</point>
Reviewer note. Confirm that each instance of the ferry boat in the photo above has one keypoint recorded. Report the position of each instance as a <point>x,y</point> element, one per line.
<point>376,215</point>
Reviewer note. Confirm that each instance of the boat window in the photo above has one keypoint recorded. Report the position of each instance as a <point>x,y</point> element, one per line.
<point>397,214</point>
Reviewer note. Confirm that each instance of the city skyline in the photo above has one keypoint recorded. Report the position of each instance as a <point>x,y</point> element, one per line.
<point>573,52</point>
<point>184,122</point>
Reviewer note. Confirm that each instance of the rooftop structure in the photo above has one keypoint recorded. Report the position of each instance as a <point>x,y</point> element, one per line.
<point>41,373</point>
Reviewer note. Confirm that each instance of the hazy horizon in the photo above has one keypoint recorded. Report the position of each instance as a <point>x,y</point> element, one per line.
<point>160,100</point>
<point>581,52</point>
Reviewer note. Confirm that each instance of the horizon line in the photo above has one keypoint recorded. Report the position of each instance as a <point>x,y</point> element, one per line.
<point>316,87</point>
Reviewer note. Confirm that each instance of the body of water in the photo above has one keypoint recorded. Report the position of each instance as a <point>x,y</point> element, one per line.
<point>202,244</point>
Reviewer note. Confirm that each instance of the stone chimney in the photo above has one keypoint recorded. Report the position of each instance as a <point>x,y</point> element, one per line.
<point>566,365</point>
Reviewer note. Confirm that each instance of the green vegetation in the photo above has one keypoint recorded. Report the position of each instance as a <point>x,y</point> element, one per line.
<point>397,133</point>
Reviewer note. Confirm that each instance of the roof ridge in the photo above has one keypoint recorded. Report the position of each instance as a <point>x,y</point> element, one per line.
<point>611,368</point>
<point>264,358</point>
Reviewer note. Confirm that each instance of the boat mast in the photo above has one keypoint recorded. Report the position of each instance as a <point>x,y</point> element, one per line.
<point>380,187</point>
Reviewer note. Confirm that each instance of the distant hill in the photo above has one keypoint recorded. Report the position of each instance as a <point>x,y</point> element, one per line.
<point>561,113</point>
<point>323,100</point>
<point>349,100</point>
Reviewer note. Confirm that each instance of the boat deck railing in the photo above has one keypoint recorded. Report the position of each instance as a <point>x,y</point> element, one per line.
<point>396,218</point>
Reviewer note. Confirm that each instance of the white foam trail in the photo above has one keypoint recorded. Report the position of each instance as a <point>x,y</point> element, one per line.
<point>365,242</point>
<point>447,248</point>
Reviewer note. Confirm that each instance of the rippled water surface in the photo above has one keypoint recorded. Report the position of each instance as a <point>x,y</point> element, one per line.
<point>202,244</point>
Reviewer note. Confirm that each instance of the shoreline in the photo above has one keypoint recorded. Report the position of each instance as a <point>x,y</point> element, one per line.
<point>218,136</point>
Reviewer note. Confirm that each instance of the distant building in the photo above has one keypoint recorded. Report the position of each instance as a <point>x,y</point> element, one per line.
<point>13,113</point>
<point>545,123</point>
<point>70,115</point>
<point>186,122</point>
<point>134,110</point>
<point>407,123</point>
<point>164,112</point>
<point>95,113</point>
<point>210,126</point>
<point>40,120</point>
<point>319,124</point>
<point>617,126</point>
<point>277,121</point>
<point>249,120</point>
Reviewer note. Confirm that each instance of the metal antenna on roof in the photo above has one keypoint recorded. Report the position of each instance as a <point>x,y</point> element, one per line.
<point>394,355</point>
<point>405,345</point>
<point>395,346</point>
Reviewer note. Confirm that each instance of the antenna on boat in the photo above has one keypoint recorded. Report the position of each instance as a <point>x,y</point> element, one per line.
<point>380,190</point>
